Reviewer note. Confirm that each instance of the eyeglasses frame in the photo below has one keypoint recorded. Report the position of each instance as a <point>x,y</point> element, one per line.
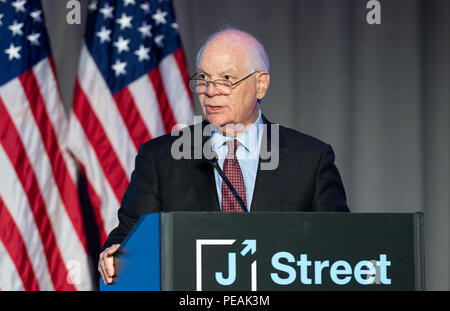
<point>214,81</point>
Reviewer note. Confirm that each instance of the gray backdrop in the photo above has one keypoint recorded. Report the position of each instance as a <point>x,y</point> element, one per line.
<point>379,94</point>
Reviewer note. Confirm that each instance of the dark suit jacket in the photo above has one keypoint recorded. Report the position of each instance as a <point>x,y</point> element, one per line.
<point>306,179</point>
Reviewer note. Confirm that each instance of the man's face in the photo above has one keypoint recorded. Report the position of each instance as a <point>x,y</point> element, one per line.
<point>222,60</point>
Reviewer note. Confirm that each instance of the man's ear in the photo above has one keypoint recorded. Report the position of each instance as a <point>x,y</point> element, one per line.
<point>262,84</point>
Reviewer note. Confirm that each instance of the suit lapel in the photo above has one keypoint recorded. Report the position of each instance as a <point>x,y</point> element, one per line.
<point>205,186</point>
<point>266,180</point>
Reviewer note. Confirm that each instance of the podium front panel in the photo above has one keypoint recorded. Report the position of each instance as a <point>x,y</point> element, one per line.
<point>292,251</point>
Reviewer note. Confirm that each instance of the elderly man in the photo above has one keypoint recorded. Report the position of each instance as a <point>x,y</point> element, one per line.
<point>232,78</point>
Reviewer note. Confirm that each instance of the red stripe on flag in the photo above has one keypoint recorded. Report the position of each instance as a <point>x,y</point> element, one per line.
<point>107,157</point>
<point>66,185</point>
<point>14,148</point>
<point>163,101</point>
<point>15,246</point>
<point>180,58</point>
<point>132,118</point>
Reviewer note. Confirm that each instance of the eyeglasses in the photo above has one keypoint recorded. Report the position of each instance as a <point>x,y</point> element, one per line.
<point>222,86</point>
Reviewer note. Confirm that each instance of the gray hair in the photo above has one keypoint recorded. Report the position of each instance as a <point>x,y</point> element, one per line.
<point>258,59</point>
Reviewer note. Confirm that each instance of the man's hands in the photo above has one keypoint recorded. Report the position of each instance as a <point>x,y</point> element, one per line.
<point>106,263</point>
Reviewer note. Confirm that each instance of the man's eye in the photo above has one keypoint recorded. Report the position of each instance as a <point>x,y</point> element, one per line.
<point>227,77</point>
<point>202,76</point>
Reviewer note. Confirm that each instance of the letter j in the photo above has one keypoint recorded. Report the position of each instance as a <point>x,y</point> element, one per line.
<point>231,271</point>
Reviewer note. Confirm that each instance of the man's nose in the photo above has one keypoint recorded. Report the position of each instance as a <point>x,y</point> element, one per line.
<point>211,89</point>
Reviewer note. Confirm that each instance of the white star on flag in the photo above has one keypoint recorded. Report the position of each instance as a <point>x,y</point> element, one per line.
<point>145,30</point>
<point>33,38</point>
<point>13,51</point>
<point>124,21</point>
<point>159,17</point>
<point>119,68</point>
<point>19,5</point>
<point>145,7</point>
<point>107,11</point>
<point>104,34</point>
<point>16,28</point>
<point>93,6</point>
<point>158,40</point>
<point>1,16</point>
<point>122,45</point>
<point>36,15</point>
<point>143,53</point>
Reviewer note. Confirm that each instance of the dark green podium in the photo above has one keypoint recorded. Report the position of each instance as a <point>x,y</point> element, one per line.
<point>272,251</point>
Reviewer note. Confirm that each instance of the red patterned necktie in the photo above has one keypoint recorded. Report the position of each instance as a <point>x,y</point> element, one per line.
<point>233,171</point>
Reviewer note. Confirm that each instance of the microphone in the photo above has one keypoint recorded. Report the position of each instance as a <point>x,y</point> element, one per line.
<point>238,198</point>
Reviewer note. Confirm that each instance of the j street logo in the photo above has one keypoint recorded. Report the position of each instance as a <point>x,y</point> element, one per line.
<point>229,277</point>
<point>285,269</point>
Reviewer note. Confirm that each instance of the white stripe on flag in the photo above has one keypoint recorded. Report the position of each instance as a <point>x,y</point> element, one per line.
<point>49,90</point>
<point>147,103</point>
<point>10,279</point>
<point>176,90</point>
<point>67,239</point>
<point>102,102</point>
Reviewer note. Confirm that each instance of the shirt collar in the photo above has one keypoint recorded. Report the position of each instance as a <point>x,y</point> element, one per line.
<point>250,139</point>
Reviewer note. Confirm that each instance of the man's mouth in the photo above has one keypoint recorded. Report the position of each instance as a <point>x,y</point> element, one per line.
<point>214,109</point>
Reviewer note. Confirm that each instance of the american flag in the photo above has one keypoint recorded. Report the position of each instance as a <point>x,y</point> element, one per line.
<point>131,87</point>
<point>42,237</point>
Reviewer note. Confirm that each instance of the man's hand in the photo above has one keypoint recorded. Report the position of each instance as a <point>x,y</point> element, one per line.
<point>106,263</point>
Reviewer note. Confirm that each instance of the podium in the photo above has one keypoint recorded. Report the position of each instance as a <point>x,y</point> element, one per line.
<point>198,251</point>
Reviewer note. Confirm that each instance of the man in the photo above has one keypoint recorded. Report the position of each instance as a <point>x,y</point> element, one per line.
<point>232,78</point>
